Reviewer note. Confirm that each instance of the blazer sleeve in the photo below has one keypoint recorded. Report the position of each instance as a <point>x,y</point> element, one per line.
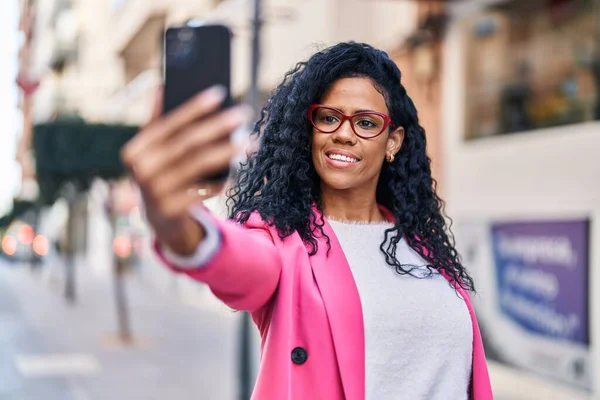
<point>244,269</point>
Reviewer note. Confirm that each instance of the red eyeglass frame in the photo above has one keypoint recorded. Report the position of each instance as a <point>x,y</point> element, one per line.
<point>387,121</point>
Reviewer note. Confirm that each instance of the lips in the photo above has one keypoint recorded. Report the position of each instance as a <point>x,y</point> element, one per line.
<point>342,156</point>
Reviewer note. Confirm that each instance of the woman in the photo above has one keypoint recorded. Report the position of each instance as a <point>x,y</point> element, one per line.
<point>336,243</point>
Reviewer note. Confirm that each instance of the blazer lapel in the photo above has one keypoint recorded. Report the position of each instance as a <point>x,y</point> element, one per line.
<point>480,379</point>
<point>342,304</point>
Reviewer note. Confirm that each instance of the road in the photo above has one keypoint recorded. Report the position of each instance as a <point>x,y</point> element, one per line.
<point>50,350</point>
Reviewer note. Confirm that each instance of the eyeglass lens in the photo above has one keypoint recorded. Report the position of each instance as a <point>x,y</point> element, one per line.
<point>364,124</point>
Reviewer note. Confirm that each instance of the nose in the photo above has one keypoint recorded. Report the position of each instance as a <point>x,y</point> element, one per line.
<point>345,134</point>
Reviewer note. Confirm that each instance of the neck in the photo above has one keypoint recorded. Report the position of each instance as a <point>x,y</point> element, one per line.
<point>350,205</point>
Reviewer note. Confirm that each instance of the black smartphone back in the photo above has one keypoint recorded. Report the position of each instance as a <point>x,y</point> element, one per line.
<point>196,58</point>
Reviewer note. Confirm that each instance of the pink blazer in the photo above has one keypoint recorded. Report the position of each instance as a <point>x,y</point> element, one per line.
<point>307,310</point>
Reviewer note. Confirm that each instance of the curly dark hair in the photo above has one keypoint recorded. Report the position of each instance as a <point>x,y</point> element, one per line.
<point>280,182</point>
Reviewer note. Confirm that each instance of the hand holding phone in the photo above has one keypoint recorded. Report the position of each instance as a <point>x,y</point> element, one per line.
<point>176,157</point>
<point>172,158</point>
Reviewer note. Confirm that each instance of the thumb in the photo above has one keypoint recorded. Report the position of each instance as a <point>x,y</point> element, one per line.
<point>157,104</point>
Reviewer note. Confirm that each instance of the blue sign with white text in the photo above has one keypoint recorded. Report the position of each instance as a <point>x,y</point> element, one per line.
<point>542,276</point>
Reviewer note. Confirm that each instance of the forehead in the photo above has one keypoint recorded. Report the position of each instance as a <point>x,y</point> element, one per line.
<point>352,94</point>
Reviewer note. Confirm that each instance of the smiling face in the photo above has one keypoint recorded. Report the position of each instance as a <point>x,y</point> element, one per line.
<point>343,160</point>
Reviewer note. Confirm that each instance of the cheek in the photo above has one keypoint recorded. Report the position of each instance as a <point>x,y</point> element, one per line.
<point>316,139</point>
<point>375,151</point>
<point>316,144</point>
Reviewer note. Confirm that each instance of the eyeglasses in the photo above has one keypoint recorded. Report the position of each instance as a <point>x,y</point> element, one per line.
<point>365,124</point>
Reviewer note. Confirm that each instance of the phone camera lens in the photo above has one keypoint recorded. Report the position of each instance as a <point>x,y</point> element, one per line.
<point>185,35</point>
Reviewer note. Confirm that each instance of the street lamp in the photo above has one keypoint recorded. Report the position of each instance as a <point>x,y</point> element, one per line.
<point>245,361</point>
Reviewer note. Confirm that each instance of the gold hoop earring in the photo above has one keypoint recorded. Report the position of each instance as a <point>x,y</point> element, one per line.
<point>391,158</point>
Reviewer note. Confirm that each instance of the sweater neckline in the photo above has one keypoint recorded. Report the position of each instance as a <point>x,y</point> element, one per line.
<point>367,223</point>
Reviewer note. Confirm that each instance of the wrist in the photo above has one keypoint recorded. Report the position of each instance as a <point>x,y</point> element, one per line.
<point>187,238</point>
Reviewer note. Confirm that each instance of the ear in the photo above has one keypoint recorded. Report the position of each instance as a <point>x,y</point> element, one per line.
<point>394,141</point>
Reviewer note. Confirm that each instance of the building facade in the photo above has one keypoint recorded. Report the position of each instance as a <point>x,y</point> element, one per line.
<point>520,103</point>
<point>291,32</point>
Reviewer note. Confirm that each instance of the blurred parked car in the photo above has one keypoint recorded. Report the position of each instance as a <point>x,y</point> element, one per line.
<point>21,243</point>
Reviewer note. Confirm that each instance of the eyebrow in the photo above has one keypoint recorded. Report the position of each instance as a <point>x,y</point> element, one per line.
<point>355,111</point>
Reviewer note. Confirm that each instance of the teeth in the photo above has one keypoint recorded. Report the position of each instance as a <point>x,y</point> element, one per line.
<point>340,157</point>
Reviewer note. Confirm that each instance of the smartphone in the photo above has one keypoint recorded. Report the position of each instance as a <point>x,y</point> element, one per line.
<point>196,58</point>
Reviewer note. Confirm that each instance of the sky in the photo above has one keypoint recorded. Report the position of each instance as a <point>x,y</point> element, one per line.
<point>9,116</point>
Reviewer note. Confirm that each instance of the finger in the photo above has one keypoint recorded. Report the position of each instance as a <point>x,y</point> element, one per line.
<point>196,170</point>
<point>176,205</point>
<point>193,169</point>
<point>194,109</point>
<point>191,140</point>
<point>206,190</point>
<point>204,103</point>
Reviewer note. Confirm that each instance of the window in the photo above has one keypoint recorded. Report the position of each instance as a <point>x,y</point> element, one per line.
<point>532,64</point>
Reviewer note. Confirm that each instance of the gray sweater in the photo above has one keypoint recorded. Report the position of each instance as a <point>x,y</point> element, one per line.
<point>418,333</point>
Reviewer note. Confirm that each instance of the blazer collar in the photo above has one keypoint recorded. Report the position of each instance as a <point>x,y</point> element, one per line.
<point>344,311</point>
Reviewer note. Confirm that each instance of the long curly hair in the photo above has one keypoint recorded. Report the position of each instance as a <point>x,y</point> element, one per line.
<point>279,180</point>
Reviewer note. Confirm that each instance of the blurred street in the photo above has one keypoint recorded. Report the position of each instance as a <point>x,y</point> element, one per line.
<point>52,351</point>
<point>508,97</point>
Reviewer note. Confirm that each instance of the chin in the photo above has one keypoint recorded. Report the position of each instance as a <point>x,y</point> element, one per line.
<point>339,181</point>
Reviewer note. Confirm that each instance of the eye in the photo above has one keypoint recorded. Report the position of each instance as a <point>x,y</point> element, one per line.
<point>327,118</point>
<point>366,123</point>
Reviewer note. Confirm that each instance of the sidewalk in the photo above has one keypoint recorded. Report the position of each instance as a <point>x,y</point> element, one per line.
<point>52,351</point>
